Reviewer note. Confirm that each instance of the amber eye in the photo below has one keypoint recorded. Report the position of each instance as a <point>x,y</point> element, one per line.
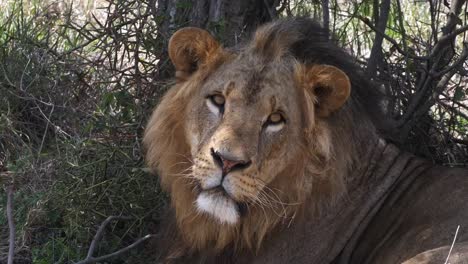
<point>275,118</point>
<point>218,100</point>
<point>216,103</point>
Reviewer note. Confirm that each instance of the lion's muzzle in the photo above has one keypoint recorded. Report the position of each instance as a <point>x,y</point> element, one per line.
<point>228,163</point>
<point>217,203</point>
<point>217,197</point>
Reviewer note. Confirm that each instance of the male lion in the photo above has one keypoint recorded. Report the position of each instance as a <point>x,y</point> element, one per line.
<point>271,154</point>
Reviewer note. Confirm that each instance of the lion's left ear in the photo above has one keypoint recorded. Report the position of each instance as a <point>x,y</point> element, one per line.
<point>330,86</point>
<point>190,48</point>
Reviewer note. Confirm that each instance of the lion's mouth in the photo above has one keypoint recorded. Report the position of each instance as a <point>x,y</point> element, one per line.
<point>219,204</point>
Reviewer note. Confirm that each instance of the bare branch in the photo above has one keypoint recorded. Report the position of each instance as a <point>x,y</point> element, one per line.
<point>403,37</point>
<point>460,141</point>
<point>11,224</point>
<point>456,64</point>
<point>429,86</point>
<point>442,41</point>
<point>391,40</point>
<point>100,233</point>
<point>453,243</point>
<point>446,38</point>
<point>98,236</point>
<point>117,253</point>
<point>453,109</point>
<point>284,4</point>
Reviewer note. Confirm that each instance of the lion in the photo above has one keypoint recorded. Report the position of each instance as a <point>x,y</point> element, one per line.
<point>273,152</point>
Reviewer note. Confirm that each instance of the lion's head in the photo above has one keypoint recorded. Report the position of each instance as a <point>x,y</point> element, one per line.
<point>244,139</point>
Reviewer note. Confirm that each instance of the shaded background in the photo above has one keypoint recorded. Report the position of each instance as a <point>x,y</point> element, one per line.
<point>78,80</point>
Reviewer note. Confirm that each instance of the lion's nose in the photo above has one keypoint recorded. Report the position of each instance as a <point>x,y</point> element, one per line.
<point>228,163</point>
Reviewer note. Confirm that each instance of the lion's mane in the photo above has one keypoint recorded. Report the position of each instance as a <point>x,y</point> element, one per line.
<point>168,149</point>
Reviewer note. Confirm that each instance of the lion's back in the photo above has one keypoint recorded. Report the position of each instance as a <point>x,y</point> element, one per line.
<point>419,218</point>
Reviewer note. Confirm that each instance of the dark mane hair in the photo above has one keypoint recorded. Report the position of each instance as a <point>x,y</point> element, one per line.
<point>310,43</point>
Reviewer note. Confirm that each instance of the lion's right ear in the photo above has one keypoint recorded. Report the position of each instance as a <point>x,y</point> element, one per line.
<point>190,48</point>
<point>330,86</point>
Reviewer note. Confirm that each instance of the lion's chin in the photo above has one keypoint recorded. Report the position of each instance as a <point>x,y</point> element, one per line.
<point>219,206</point>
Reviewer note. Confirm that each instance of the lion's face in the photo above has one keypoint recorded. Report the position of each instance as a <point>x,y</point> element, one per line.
<point>244,127</point>
<point>241,134</point>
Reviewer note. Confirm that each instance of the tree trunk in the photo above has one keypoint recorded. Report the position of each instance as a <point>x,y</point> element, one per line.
<point>376,55</point>
<point>326,15</point>
<point>229,21</point>
<point>226,19</point>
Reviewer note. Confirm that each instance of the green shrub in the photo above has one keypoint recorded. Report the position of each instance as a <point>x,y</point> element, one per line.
<point>69,139</point>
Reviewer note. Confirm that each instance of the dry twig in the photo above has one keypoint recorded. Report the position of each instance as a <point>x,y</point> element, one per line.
<point>98,236</point>
<point>11,224</point>
<point>451,247</point>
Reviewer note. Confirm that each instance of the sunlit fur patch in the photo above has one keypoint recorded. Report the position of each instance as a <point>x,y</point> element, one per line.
<point>220,207</point>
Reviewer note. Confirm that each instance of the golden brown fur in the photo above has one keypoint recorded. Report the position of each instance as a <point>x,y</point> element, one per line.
<point>254,144</point>
<point>302,168</point>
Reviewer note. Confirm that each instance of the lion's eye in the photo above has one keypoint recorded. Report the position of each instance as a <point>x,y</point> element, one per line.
<point>216,103</point>
<point>218,100</point>
<point>275,118</point>
<point>275,122</point>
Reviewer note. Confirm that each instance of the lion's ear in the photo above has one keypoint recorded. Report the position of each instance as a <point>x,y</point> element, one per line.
<point>189,48</point>
<point>330,86</point>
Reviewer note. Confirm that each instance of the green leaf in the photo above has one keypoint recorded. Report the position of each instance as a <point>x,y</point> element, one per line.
<point>459,94</point>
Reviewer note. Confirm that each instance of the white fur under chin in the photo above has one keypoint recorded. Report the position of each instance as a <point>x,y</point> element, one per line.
<point>222,208</point>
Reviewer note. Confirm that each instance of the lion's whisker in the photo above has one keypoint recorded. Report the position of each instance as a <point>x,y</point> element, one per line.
<point>256,201</point>
<point>273,208</point>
